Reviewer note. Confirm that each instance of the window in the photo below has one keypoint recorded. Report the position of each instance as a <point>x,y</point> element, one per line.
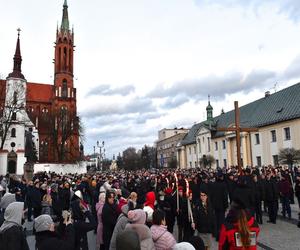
<point>275,160</point>
<point>273,135</point>
<point>14,116</point>
<point>208,144</point>
<point>190,151</point>
<point>224,144</point>
<point>217,163</point>
<point>199,143</point>
<point>195,150</point>
<point>225,162</point>
<point>287,134</point>
<point>195,164</point>
<point>216,145</point>
<point>15,97</point>
<point>258,161</point>
<point>13,132</point>
<point>257,140</point>
<point>190,164</point>
<point>64,88</point>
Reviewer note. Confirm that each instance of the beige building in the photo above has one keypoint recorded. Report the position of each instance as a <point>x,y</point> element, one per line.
<point>277,118</point>
<point>166,145</point>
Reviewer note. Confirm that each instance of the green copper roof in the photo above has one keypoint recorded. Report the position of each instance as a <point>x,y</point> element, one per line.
<point>281,106</point>
<point>65,18</point>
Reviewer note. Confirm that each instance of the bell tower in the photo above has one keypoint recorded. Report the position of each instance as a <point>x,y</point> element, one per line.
<point>63,62</point>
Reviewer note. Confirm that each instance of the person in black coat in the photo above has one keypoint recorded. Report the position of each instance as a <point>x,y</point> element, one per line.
<point>271,197</point>
<point>258,198</point>
<point>34,200</point>
<point>80,212</point>
<point>46,237</point>
<point>12,236</point>
<point>109,218</point>
<point>219,199</point>
<point>168,205</point>
<point>204,218</point>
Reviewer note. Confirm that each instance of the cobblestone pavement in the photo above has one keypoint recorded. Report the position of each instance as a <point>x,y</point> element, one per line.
<point>285,235</point>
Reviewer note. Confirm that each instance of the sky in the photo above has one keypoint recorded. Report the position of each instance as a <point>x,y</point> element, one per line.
<point>144,65</point>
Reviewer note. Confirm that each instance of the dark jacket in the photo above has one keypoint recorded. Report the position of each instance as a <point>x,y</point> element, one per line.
<point>109,219</point>
<point>50,241</point>
<point>13,239</point>
<point>204,218</point>
<point>34,197</point>
<point>219,195</point>
<point>271,190</point>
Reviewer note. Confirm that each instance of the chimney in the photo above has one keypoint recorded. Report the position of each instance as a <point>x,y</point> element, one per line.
<point>267,93</point>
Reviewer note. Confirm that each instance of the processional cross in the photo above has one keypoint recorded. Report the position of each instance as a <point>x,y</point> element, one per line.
<point>237,129</point>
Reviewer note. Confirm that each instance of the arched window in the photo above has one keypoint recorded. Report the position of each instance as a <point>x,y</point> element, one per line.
<point>59,59</point>
<point>13,132</point>
<point>64,88</point>
<point>15,97</point>
<point>14,116</point>
<point>65,58</point>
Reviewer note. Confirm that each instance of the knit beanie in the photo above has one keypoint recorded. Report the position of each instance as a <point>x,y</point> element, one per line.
<point>137,216</point>
<point>183,246</point>
<point>42,223</point>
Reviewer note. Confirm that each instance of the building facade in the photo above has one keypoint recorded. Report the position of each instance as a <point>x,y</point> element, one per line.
<point>276,118</point>
<point>166,145</point>
<point>47,110</point>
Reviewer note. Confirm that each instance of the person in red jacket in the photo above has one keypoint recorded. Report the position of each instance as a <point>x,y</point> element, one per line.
<point>240,230</point>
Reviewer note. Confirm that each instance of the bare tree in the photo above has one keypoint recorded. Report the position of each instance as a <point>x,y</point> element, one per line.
<point>64,128</point>
<point>13,105</point>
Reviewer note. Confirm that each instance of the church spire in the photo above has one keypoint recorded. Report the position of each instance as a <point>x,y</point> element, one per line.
<point>209,111</point>
<point>17,72</point>
<point>65,18</point>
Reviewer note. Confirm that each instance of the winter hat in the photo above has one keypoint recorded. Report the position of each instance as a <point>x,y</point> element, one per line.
<point>78,194</point>
<point>183,246</point>
<point>7,199</point>
<point>137,216</point>
<point>128,240</point>
<point>42,223</point>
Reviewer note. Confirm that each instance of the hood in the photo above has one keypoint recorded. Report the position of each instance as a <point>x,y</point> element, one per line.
<point>157,231</point>
<point>142,230</point>
<point>150,199</point>
<point>183,246</point>
<point>7,199</point>
<point>13,215</point>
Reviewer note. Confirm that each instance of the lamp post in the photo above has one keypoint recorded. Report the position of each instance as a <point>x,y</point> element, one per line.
<point>95,159</point>
<point>100,146</point>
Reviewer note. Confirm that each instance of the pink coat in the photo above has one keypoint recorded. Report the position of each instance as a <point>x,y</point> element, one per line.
<point>162,238</point>
<point>99,207</point>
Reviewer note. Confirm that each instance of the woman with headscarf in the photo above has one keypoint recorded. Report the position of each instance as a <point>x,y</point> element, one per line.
<point>12,236</point>
<point>109,218</point>
<point>149,206</point>
<point>99,208</point>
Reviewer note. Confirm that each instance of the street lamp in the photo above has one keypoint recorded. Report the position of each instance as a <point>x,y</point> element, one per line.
<point>100,146</point>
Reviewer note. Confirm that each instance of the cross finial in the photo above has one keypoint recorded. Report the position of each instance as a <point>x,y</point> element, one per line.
<point>19,30</point>
<point>208,98</point>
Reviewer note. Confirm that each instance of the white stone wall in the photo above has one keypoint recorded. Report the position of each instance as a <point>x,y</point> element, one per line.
<point>61,168</point>
<point>3,163</point>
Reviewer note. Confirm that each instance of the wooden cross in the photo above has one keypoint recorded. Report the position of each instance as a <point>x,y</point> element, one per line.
<point>237,129</point>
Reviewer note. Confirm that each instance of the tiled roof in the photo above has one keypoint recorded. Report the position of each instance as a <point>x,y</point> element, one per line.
<point>37,92</point>
<point>281,106</point>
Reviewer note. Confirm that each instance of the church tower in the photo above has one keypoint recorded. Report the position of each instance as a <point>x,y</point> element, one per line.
<point>63,62</point>
<point>64,110</point>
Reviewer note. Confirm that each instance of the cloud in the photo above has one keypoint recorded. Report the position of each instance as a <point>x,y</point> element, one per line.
<point>173,102</point>
<point>107,90</point>
<point>118,106</point>
<point>293,69</point>
<point>289,7</point>
<point>217,86</point>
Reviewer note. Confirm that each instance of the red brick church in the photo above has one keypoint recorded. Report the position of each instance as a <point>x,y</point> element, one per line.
<point>51,108</point>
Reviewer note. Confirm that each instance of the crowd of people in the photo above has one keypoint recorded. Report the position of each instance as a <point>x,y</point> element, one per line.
<point>145,209</point>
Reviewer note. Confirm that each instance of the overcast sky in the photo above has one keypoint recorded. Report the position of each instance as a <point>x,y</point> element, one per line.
<point>144,65</point>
